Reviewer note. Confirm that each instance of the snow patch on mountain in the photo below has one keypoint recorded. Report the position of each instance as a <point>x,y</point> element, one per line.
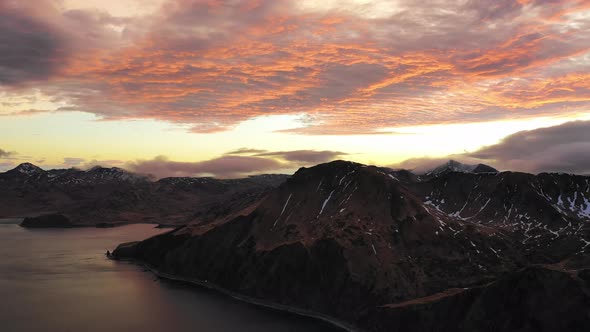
<point>28,169</point>
<point>455,166</point>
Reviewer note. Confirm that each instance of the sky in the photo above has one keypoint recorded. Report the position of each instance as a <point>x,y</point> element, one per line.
<point>230,88</point>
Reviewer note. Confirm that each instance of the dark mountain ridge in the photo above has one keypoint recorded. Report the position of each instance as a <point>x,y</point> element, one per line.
<point>107,196</point>
<point>387,250</point>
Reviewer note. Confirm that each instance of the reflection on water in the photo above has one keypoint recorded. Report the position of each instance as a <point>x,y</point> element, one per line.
<point>59,280</point>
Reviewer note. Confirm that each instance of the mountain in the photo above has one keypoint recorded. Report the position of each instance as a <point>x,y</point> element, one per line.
<point>27,169</point>
<point>532,299</point>
<point>455,166</point>
<point>30,174</point>
<point>108,196</point>
<point>384,250</point>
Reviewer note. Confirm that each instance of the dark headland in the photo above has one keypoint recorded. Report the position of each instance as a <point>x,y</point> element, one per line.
<point>383,250</point>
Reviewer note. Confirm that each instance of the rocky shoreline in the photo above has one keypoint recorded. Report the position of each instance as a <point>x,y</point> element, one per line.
<point>240,297</point>
<point>57,220</point>
<point>523,298</point>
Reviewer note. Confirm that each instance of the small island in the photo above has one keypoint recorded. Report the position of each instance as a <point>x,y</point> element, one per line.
<point>54,220</point>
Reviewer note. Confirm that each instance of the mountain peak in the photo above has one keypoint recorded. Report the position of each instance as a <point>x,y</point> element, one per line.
<point>28,169</point>
<point>455,166</point>
<point>483,168</point>
<point>99,173</point>
<point>335,165</point>
<point>99,168</point>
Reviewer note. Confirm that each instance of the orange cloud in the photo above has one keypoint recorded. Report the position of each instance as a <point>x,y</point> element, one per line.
<point>214,64</point>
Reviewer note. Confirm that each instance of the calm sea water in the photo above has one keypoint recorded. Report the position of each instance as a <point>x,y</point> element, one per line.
<point>59,280</point>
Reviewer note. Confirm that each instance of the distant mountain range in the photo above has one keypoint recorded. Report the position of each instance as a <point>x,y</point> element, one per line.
<point>110,196</point>
<point>460,248</point>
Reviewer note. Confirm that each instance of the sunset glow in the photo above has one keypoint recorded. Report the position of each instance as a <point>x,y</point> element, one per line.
<point>370,81</point>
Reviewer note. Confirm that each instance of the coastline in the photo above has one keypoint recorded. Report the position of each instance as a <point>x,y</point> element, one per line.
<point>240,297</point>
<point>97,225</point>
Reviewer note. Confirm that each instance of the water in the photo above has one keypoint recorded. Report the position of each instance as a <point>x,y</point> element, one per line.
<point>59,280</point>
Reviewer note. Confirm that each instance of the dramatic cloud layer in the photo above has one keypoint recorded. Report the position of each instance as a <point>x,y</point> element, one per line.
<point>5,154</point>
<point>563,148</point>
<point>29,49</point>
<point>235,164</point>
<point>302,157</point>
<point>347,67</point>
<point>246,151</point>
<point>305,156</point>
<point>224,167</point>
<point>73,162</point>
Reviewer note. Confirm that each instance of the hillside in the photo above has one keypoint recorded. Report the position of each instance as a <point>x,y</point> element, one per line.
<point>381,249</point>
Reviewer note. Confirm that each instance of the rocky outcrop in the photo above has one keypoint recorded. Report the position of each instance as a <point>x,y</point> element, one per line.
<point>47,221</point>
<point>125,250</point>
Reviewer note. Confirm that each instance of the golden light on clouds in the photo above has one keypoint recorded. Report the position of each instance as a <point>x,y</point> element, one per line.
<point>379,80</point>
